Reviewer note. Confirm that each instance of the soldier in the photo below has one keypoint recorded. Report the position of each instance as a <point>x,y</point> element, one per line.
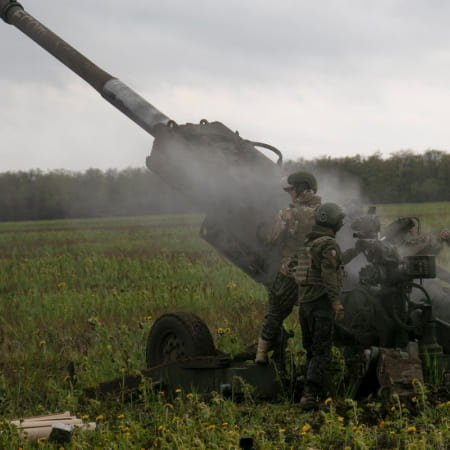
<point>289,231</point>
<point>410,242</point>
<point>319,274</point>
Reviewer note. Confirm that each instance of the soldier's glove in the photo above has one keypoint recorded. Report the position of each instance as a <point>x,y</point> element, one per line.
<point>445,236</point>
<point>360,245</point>
<point>338,309</point>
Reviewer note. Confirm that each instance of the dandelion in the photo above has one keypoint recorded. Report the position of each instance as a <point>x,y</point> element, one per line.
<point>414,399</point>
<point>178,391</point>
<point>392,408</point>
<point>328,400</point>
<point>411,429</point>
<point>219,330</point>
<point>99,417</point>
<point>381,424</point>
<point>340,419</point>
<point>121,416</point>
<point>148,318</point>
<point>41,440</point>
<point>168,405</point>
<point>42,343</point>
<point>306,428</point>
<point>281,430</point>
<point>227,330</point>
<point>85,417</point>
<point>391,432</point>
<point>231,285</point>
<point>61,285</point>
<point>225,424</point>
<point>190,395</point>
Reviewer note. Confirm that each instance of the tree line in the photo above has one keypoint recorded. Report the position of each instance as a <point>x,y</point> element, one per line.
<point>401,178</point>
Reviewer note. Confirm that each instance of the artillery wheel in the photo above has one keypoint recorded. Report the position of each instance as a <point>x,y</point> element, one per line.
<point>178,336</point>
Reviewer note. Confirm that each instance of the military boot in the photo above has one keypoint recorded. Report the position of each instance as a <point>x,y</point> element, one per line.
<point>261,351</point>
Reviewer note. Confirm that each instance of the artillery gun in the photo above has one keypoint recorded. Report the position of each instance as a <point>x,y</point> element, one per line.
<point>237,187</point>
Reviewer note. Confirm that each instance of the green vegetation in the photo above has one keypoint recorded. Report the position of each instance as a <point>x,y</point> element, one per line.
<point>35,195</point>
<point>85,293</point>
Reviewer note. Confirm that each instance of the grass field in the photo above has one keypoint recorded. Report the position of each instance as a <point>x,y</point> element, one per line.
<point>85,293</point>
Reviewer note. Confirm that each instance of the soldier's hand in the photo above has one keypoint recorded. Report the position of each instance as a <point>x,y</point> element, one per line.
<point>360,245</point>
<point>445,236</point>
<point>338,309</point>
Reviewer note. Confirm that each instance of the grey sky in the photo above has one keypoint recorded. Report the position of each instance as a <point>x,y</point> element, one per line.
<point>312,78</point>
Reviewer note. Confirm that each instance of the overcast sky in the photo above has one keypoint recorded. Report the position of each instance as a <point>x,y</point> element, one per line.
<point>312,78</point>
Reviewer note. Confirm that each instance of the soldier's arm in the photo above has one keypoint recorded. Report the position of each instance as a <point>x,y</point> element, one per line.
<point>330,262</point>
<point>276,233</point>
<point>445,236</point>
<point>353,252</point>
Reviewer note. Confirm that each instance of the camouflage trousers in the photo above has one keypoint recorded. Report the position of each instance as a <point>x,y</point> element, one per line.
<point>283,295</point>
<point>317,323</point>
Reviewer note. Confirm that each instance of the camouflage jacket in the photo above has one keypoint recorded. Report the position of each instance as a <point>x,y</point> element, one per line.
<point>324,274</point>
<point>290,228</point>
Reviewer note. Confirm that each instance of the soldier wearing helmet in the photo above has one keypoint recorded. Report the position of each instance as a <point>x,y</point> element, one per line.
<point>319,275</point>
<point>289,231</point>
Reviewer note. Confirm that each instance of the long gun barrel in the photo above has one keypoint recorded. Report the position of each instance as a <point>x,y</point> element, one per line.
<point>109,87</point>
<point>212,166</point>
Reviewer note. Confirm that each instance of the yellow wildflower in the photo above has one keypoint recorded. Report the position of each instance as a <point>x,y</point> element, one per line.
<point>42,343</point>
<point>210,427</point>
<point>168,405</point>
<point>306,427</point>
<point>61,284</point>
<point>85,416</point>
<point>100,417</point>
<point>190,395</point>
<point>411,429</point>
<point>414,399</point>
<point>231,285</point>
<point>177,391</point>
<point>121,416</point>
<point>281,430</point>
<point>340,419</point>
<point>219,330</point>
<point>328,400</point>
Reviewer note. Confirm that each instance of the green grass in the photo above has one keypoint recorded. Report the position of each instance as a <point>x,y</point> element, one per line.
<point>86,293</point>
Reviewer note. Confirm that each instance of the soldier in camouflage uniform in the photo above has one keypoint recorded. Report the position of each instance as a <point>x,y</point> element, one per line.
<point>289,232</point>
<point>410,242</point>
<point>319,274</point>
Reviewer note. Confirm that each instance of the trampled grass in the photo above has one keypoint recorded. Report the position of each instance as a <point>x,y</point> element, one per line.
<point>85,293</point>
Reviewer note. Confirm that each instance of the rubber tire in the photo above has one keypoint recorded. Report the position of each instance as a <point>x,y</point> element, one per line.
<point>177,336</point>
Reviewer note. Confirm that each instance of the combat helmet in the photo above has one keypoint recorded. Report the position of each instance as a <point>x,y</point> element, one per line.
<point>329,215</point>
<point>300,181</point>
